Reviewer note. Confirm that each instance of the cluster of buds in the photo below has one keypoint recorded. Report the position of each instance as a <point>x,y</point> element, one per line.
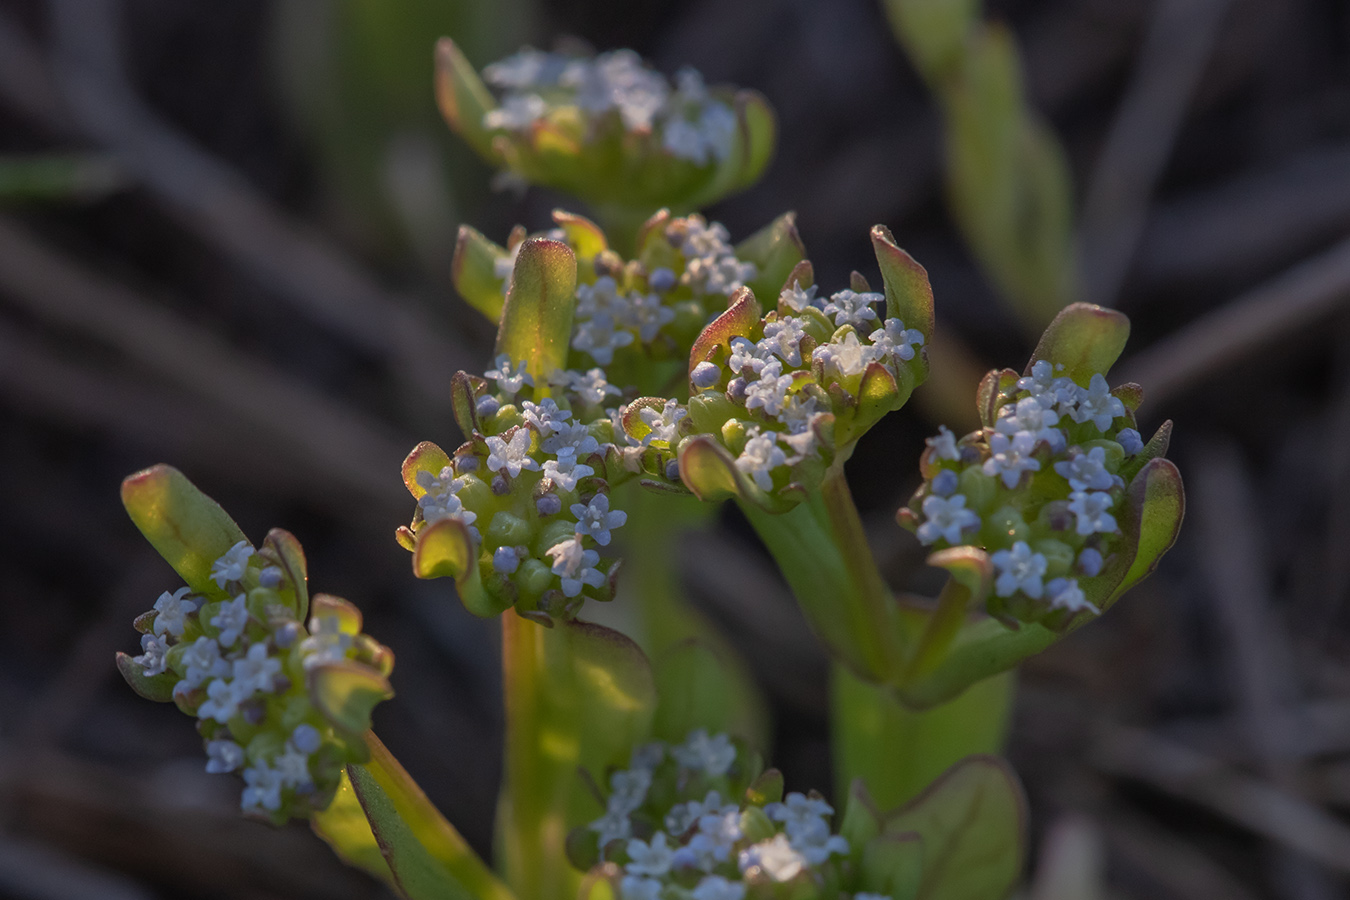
<point>283,704</point>
<point>637,318</point>
<point>775,398</point>
<point>700,816</point>
<point>607,128</point>
<point>1048,489</point>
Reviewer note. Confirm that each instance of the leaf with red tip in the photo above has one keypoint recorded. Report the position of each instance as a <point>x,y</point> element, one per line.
<point>188,528</point>
<point>474,272</point>
<point>328,606</point>
<point>989,395</point>
<point>1084,339</point>
<point>739,320</point>
<point>536,326</point>
<point>425,457</point>
<point>909,296</point>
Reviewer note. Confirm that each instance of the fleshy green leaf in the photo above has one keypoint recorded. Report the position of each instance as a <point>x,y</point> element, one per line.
<point>775,249</point>
<point>536,325</point>
<point>616,681</point>
<point>742,314</point>
<point>861,822</point>
<point>464,99</point>
<point>326,606</point>
<point>444,550</point>
<point>909,296</point>
<point>582,234</point>
<point>758,132</point>
<point>346,693</point>
<point>425,457</point>
<point>1159,501</point>
<point>281,549</point>
<point>707,469</point>
<point>158,688</point>
<point>188,528</point>
<point>417,875</point>
<point>1084,339</point>
<point>972,825</point>
<point>474,272</point>
<point>343,827</point>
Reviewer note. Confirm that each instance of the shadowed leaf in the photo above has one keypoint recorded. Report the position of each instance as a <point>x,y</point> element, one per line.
<point>281,549</point>
<point>1084,339</point>
<point>158,688</point>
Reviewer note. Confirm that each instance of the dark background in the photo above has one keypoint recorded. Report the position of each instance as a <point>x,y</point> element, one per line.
<point>241,268</point>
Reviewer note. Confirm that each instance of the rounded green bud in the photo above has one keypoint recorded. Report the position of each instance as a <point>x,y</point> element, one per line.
<point>980,489</point>
<point>1059,556</point>
<point>506,528</point>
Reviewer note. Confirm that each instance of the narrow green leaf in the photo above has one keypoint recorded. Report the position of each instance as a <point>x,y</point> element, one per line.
<point>158,688</point>
<point>691,684</point>
<point>776,250</point>
<point>972,824</point>
<point>464,99</point>
<point>281,549</point>
<point>1084,339</point>
<point>425,457</point>
<point>615,679</point>
<point>417,875</point>
<point>474,272</point>
<point>860,822</point>
<point>464,403</point>
<point>536,326</point>
<point>909,296</point>
<point>188,528</point>
<point>343,827</point>
<point>346,693</point>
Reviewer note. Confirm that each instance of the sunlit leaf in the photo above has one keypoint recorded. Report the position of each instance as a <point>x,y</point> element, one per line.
<point>1084,339</point>
<point>344,828</point>
<point>425,457</point>
<point>346,693</point>
<point>776,249</point>
<point>464,99</point>
<point>474,272</point>
<point>281,549</point>
<point>909,296</point>
<point>188,528</point>
<point>536,326</point>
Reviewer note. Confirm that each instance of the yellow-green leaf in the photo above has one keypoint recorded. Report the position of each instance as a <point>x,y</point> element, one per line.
<point>343,827</point>
<point>188,528</point>
<point>1085,339</point>
<point>909,295</point>
<point>464,99</point>
<point>346,693</point>
<point>474,272</point>
<point>425,457</point>
<point>536,326</point>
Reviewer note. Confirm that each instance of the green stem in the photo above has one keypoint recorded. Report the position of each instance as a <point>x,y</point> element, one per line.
<point>821,548</point>
<point>897,751</point>
<point>542,751</point>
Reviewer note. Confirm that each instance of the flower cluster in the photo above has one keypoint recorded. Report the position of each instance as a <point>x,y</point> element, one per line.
<point>239,659</point>
<point>696,816</point>
<point>781,393</point>
<point>1040,489</point>
<point>530,487</point>
<point>537,88</point>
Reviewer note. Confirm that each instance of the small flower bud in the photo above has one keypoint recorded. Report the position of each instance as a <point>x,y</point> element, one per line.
<point>548,505</point>
<point>705,375</point>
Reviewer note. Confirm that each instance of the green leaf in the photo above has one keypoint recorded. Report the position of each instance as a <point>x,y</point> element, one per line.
<point>861,822</point>
<point>188,528</point>
<point>909,296</point>
<point>536,325</point>
<point>1158,500</point>
<point>615,681</point>
<point>346,693</point>
<point>158,688</point>
<point>893,864</point>
<point>444,550</point>
<point>417,875</point>
<point>933,32</point>
<point>1085,339</point>
<point>766,789</point>
<point>708,469</point>
<point>474,272</point>
<point>776,249</point>
<point>758,132</point>
<point>326,606</point>
<point>972,825</point>
<point>741,316</point>
<point>584,236</point>
<point>972,576</point>
<point>282,550</point>
<point>463,404</point>
<point>691,684</point>
<point>343,827</point>
<point>425,457</point>
<point>433,831</point>
<point>464,99</point>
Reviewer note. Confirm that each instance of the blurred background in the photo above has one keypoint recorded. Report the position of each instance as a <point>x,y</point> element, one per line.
<point>225,236</point>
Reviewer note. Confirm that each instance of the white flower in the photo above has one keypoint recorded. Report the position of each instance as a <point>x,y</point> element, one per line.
<point>797,298</point>
<point>517,112</point>
<point>223,756</point>
<point>1027,415</point>
<point>440,500</point>
<point>723,826</point>
<point>848,357</point>
<point>1096,405</point>
<point>151,660</point>
<point>222,701</point>
<point>650,315</point>
<point>232,565</point>
<point>326,643</point>
<point>596,519</point>
<point>171,612</point>
<point>1064,593</point>
<point>783,337</point>
<point>665,424</point>
<point>292,767</point>
<point>1091,510</point>
<point>511,455</point>
<point>775,858</point>
<point>1019,569</point>
<point>526,68</point>
<point>770,391</point>
<point>545,416</point>
<point>944,444</point>
<point>946,518</point>
<point>256,671</point>
<point>852,308</point>
<point>702,852</point>
<point>510,378</point>
<point>715,887</point>
<point>574,438</point>
<point>760,457</point>
<point>649,858</point>
<point>203,661</point>
<point>590,387</point>
<point>612,826</point>
<point>636,887</point>
<point>231,619</point>
<point>713,755</point>
<point>1086,471</point>
<point>745,353</point>
<point>1011,457</point>
<point>812,839</point>
<point>575,565</point>
<point>797,808</point>
<point>565,470</point>
<point>264,788</point>
<point>894,337</point>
